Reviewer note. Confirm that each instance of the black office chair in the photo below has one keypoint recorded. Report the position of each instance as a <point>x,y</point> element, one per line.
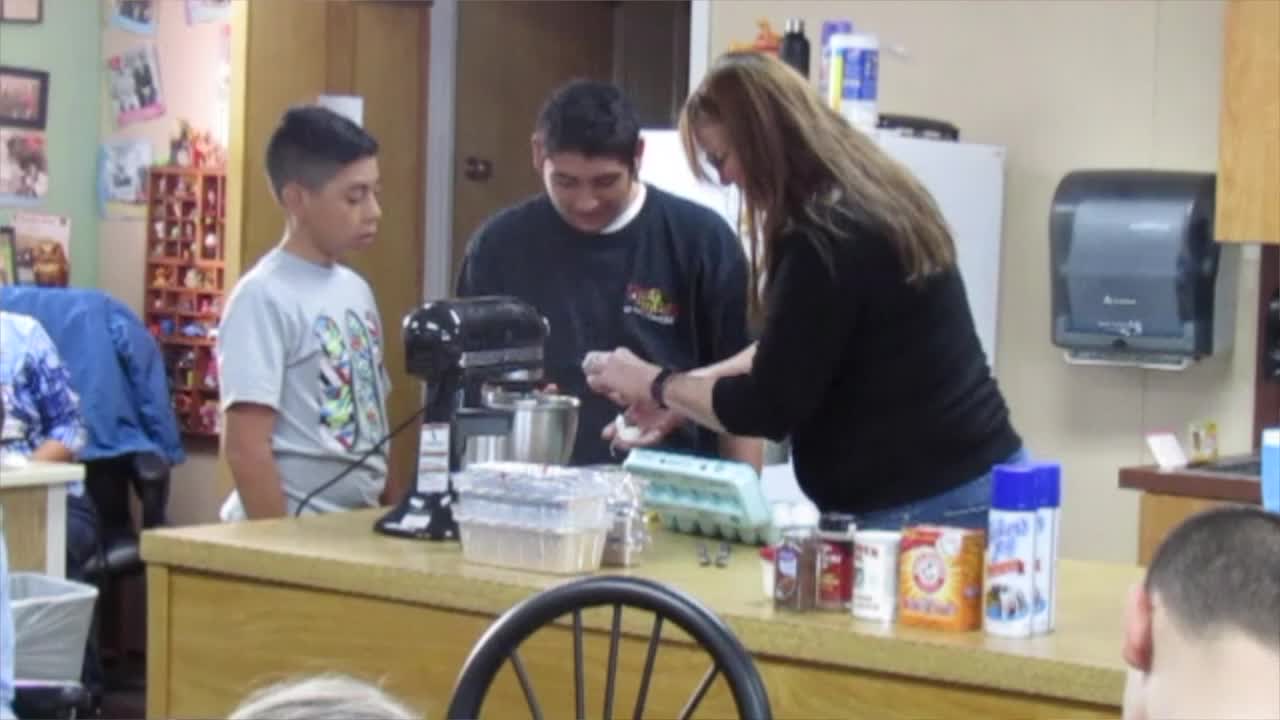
<point>501,643</point>
<point>108,482</point>
<point>50,700</point>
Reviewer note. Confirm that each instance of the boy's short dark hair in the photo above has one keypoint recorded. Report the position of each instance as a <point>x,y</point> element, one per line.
<point>311,145</point>
<point>592,118</point>
<point>1220,569</point>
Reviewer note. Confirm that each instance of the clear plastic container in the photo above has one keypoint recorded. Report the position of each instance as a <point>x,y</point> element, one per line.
<point>536,496</point>
<point>540,518</point>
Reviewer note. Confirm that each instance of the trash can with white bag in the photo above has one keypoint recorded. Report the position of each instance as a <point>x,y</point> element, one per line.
<point>51,620</point>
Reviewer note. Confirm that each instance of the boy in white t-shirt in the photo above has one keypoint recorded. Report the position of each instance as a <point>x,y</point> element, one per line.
<point>300,345</point>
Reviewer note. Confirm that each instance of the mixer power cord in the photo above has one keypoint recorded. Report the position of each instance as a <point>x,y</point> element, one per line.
<point>358,461</point>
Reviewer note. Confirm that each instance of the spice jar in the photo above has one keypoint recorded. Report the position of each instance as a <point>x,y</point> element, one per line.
<point>795,570</point>
<point>834,590</point>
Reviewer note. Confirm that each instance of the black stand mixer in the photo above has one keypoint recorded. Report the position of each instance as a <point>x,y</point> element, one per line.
<point>458,347</point>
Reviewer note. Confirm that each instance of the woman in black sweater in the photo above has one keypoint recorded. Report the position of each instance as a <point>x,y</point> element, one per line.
<point>868,358</point>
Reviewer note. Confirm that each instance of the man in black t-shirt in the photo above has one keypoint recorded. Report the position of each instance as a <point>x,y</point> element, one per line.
<point>611,261</point>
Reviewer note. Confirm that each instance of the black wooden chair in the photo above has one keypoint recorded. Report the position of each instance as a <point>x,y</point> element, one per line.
<point>501,643</point>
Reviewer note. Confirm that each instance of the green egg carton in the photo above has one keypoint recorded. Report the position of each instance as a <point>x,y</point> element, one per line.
<point>704,496</point>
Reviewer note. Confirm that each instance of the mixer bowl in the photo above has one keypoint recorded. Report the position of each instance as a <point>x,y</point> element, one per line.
<point>543,429</point>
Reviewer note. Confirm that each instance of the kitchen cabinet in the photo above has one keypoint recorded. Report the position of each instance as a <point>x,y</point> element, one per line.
<point>1248,198</point>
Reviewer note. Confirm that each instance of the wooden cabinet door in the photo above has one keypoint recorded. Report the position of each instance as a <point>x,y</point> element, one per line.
<point>1248,202</point>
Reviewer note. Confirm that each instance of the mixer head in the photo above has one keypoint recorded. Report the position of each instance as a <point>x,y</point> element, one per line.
<point>479,338</point>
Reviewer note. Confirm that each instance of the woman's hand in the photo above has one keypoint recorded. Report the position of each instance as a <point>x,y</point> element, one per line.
<point>642,425</point>
<point>620,375</point>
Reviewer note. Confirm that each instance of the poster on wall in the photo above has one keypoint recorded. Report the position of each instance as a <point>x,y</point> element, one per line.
<point>24,166</point>
<point>43,246</point>
<point>136,16</point>
<point>24,97</point>
<point>133,78</point>
<point>122,178</point>
<point>208,11</point>
<point>22,11</point>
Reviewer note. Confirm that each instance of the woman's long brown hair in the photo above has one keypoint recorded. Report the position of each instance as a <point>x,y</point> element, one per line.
<point>804,162</point>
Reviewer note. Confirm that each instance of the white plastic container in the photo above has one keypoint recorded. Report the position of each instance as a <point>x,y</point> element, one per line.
<point>1009,576</point>
<point>51,619</point>
<point>875,575</point>
<point>1048,508</point>
<point>853,89</point>
<point>767,558</point>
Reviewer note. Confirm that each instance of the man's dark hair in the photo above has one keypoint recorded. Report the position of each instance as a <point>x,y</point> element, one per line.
<point>1221,569</point>
<point>311,145</point>
<point>592,118</point>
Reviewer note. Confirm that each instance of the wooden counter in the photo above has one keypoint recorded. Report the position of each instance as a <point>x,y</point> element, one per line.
<point>33,514</point>
<point>234,606</point>
<point>1170,497</point>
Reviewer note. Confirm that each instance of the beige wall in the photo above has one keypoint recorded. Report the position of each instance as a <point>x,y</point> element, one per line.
<point>188,57</point>
<point>1064,85</point>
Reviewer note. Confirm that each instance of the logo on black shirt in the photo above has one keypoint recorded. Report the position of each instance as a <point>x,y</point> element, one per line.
<point>651,304</point>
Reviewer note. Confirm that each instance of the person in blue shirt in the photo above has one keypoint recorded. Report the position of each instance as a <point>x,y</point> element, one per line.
<point>42,421</point>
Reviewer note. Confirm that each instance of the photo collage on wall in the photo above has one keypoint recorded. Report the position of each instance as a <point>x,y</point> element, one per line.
<point>24,115</point>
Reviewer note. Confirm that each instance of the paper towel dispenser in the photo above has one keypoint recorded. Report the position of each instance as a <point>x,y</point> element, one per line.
<point>1137,277</point>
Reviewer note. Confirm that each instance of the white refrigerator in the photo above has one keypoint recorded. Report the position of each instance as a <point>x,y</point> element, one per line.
<point>965,179</point>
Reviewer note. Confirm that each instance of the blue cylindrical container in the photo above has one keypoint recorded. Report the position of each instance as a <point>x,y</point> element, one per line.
<point>1009,577</point>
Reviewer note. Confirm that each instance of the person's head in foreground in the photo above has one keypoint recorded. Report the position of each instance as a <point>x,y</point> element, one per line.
<point>1202,633</point>
<point>323,697</point>
<point>587,148</point>
<point>323,170</point>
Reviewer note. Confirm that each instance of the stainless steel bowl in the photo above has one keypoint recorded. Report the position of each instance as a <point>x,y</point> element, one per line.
<point>543,429</point>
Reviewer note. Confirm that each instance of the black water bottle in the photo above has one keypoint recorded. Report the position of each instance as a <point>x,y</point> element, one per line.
<point>795,47</point>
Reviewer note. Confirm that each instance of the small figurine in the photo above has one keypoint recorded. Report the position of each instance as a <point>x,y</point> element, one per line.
<point>166,326</point>
<point>159,227</point>
<point>204,306</point>
<point>157,250</point>
<point>211,242</point>
<point>194,329</point>
<point>157,303</point>
<point>211,373</point>
<point>209,416</point>
<point>192,279</point>
<point>174,232</point>
<point>161,278</point>
<point>210,280</point>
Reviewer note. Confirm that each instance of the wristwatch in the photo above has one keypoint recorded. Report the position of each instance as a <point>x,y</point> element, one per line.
<point>659,384</point>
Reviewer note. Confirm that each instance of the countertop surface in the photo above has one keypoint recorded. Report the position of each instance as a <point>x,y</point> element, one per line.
<point>1080,661</point>
<point>40,473</point>
<point>1196,482</point>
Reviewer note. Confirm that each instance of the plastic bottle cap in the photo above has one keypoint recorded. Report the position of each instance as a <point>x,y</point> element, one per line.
<point>1048,484</point>
<point>795,25</point>
<point>1013,487</point>
<point>835,522</point>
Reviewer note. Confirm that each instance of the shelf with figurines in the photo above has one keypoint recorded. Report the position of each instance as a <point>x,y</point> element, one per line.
<point>185,266</point>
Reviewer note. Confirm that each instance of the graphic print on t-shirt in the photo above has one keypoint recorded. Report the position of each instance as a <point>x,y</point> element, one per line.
<point>650,303</point>
<point>364,354</point>
<point>349,370</point>
<point>337,405</point>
